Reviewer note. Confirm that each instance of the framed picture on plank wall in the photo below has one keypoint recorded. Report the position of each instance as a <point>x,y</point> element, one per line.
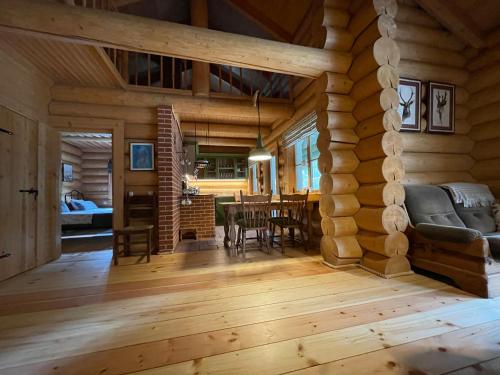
<point>409,91</point>
<point>141,156</point>
<point>441,113</point>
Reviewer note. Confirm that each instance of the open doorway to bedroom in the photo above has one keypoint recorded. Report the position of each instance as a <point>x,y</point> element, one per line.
<point>86,211</point>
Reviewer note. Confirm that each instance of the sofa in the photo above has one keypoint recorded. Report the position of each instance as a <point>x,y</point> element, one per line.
<point>457,242</point>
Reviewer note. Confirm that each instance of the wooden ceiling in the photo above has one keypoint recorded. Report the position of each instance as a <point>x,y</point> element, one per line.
<point>485,14</point>
<point>89,142</point>
<point>65,63</point>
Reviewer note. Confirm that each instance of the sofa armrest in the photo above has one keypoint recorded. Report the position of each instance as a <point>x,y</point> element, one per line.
<point>445,233</point>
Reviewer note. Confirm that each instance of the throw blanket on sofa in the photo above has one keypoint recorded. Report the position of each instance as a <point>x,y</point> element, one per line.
<point>471,195</point>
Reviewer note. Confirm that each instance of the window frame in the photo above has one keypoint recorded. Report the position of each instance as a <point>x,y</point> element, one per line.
<point>305,138</point>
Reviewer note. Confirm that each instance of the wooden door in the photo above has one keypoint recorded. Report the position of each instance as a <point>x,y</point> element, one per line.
<point>18,171</point>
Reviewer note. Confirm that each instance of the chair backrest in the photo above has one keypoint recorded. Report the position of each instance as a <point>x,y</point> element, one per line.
<point>140,208</point>
<point>293,206</point>
<point>430,204</point>
<point>255,210</point>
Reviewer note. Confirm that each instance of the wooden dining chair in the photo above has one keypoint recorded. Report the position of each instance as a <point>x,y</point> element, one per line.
<point>140,226</point>
<point>254,216</point>
<point>291,215</point>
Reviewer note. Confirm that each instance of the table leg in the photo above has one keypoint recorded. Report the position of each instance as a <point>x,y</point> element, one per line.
<point>232,233</point>
<point>226,227</point>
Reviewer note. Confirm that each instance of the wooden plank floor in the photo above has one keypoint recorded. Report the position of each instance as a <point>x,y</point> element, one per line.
<point>202,312</point>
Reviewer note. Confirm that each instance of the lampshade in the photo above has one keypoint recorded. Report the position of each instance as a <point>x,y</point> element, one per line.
<point>259,153</point>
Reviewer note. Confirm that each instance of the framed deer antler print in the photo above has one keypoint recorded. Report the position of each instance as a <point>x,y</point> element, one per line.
<point>441,113</point>
<point>409,91</point>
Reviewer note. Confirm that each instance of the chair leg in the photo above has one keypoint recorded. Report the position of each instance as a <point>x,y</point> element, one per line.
<point>244,242</point>
<point>238,241</point>
<point>304,243</point>
<point>126,244</point>
<point>282,240</point>
<point>116,248</point>
<point>273,234</point>
<point>266,238</point>
<point>150,240</point>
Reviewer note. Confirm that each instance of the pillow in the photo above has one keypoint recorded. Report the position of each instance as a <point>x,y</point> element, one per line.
<point>73,205</point>
<point>89,205</point>
<point>64,207</point>
<point>496,213</point>
<point>81,205</point>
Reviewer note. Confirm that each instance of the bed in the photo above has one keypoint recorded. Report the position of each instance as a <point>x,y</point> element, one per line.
<point>75,214</point>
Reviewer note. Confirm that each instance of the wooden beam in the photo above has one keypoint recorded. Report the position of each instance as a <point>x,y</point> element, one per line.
<point>450,17</point>
<point>216,141</point>
<point>262,20</point>
<point>183,105</point>
<point>222,130</point>
<point>201,73</point>
<point>123,31</point>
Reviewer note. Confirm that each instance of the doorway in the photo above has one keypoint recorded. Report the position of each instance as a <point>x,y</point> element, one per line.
<point>86,186</point>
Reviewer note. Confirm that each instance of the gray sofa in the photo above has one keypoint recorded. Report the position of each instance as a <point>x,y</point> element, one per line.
<point>454,241</point>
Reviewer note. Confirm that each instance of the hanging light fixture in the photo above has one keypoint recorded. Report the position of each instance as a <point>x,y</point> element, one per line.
<point>259,153</point>
<point>202,163</point>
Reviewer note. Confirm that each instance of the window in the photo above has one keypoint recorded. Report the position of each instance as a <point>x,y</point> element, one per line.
<point>255,188</point>
<point>306,163</point>
<point>274,184</point>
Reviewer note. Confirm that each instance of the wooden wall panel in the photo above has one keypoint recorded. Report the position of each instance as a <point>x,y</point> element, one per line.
<point>428,52</point>
<point>26,90</point>
<point>95,183</point>
<point>484,116</point>
<point>72,155</point>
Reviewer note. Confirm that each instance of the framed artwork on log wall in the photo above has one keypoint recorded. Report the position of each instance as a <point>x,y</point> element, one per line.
<point>141,156</point>
<point>409,91</point>
<point>441,112</point>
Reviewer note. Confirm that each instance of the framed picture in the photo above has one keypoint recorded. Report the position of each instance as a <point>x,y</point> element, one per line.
<point>67,172</point>
<point>141,156</point>
<point>441,111</point>
<point>409,91</point>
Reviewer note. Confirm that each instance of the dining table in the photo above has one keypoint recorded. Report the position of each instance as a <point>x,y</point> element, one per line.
<point>231,210</point>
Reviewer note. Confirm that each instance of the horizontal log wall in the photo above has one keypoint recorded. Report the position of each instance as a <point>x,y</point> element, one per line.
<point>95,178</point>
<point>72,155</point>
<point>484,115</point>
<point>430,53</point>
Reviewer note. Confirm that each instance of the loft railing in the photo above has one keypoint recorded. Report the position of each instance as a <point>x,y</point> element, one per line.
<point>97,4</point>
<point>147,70</point>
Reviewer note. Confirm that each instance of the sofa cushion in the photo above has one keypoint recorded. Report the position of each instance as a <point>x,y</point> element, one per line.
<point>479,218</point>
<point>430,204</point>
<point>446,233</point>
<point>494,241</point>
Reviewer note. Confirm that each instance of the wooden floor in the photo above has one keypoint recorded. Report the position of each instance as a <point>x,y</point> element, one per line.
<point>202,312</point>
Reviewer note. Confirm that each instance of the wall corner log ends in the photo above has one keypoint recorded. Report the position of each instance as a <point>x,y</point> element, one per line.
<point>360,147</point>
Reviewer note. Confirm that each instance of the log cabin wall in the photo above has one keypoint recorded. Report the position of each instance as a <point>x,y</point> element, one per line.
<point>380,219</point>
<point>26,90</point>
<point>336,141</point>
<point>96,178</point>
<point>484,115</point>
<point>72,155</point>
<point>431,53</point>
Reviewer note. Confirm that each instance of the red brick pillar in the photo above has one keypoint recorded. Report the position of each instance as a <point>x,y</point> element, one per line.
<point>169,179</point>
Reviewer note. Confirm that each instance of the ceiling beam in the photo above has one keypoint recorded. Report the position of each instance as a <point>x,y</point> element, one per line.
<point>456,22</point>
<point>262,20</point>
<point>183,104</point>
<point>133,33</point>
<point>214,141</point>
<point>222,130</point>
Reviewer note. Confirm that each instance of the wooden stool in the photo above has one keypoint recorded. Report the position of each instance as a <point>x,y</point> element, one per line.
<point>126,232</point>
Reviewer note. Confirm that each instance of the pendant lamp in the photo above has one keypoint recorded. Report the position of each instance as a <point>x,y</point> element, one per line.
<point>259,153</point>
